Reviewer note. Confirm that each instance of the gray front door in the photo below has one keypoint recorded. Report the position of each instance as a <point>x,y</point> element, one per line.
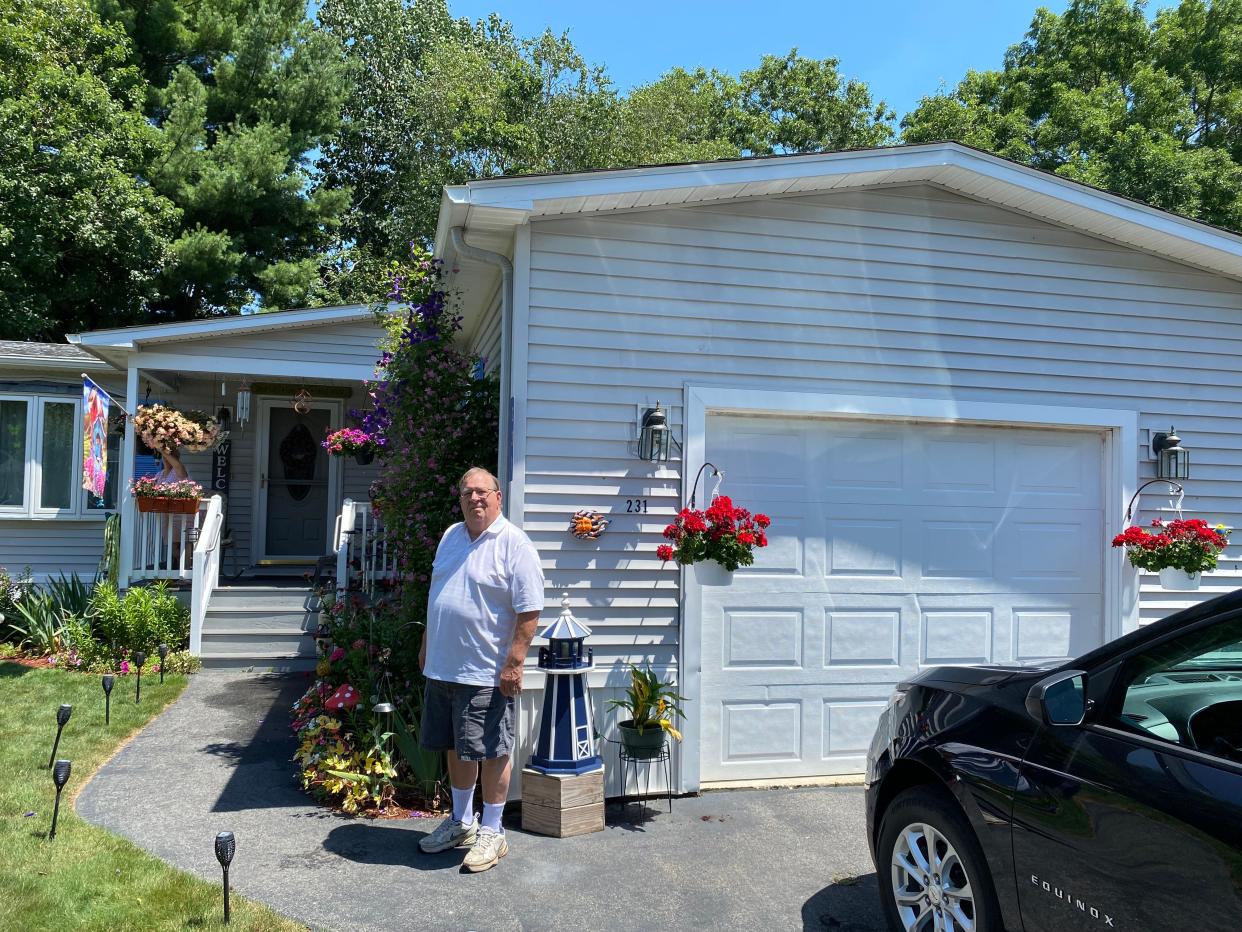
<point>296,478</point>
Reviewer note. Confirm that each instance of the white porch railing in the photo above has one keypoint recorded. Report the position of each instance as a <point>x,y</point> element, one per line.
<point>206,570</point>
<point>163,543</point>
<point>363,556</point>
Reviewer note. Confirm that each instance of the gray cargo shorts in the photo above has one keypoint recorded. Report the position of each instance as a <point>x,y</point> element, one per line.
<point>474,721</point>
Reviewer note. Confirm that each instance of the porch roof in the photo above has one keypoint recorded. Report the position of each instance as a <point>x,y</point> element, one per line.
<point>155,346</point>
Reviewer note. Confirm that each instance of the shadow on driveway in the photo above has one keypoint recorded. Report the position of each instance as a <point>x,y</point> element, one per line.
<point>849,904</point>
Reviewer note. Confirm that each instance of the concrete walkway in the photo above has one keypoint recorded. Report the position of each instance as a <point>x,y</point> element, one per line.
<point>219,758</point>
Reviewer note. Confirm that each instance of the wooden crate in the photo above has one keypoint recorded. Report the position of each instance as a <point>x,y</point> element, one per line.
<point>561,806</point>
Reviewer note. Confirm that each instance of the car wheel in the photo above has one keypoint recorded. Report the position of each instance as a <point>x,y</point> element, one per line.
<point>933,876</point>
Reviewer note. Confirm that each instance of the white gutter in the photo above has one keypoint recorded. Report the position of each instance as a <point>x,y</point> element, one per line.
<point>486,256</point>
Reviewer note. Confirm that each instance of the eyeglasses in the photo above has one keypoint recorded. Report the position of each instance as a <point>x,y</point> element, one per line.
<point>477,493</point>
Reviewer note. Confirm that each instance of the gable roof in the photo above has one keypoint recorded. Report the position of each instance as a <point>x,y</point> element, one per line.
<point>491,209</point>
<point>30,355</point>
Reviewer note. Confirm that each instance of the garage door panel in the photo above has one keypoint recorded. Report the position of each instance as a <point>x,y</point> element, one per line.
<point>895,546</point>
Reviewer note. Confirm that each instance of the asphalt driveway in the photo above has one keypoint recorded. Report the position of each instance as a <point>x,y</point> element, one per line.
<point>219,758</point>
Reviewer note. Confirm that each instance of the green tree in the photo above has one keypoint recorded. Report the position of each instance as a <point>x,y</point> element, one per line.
<point>81,231</point>
<point>1150,110</point>
<point>243,92</point>
<point>435,100</point>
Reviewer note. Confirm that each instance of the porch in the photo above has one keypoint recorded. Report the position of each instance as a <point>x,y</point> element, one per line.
<point>275,503</point>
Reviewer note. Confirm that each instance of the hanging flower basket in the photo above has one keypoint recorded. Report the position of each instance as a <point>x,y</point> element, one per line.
<point>1180,551</point>
<point>1179,580</point>
<point>162,428</point>
<point>715,541</point>
<point>364,457</point>
<point>711,573</point>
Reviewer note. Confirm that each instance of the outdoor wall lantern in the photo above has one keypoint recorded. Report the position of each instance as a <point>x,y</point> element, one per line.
<point>226,845</point>
<point>655,437</point>
<point>1172,459</point>
<point>60,776</point>
<point>62,719</point>
<point>108,681</point>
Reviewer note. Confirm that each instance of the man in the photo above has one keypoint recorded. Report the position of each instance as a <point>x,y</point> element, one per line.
<point>485,599</point>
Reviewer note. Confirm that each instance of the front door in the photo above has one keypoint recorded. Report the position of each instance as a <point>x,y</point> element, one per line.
<point>297,481</point>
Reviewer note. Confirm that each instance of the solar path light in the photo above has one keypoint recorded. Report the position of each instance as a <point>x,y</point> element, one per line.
<point>60,776</point>
<point>62,718</point>
<point>163,652</point>
<point>386,709</point>
<point>226,845</point>
<point>108,681</point>
<point>139,659</point>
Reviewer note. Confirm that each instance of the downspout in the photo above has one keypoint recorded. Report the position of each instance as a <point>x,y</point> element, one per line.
<point>486,256</point>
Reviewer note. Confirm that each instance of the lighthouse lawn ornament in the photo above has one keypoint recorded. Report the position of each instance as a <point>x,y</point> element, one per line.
<point>563,788</point>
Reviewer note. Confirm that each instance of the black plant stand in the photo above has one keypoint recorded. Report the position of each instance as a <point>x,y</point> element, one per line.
<point>663,759</point>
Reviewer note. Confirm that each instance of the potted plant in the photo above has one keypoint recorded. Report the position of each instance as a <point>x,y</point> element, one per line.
<point>353,440</point>
<point>715,541</point>
<point>163,428</point>
<point>1181,551</point>
<point>652,707</point>
<point>180,497</point>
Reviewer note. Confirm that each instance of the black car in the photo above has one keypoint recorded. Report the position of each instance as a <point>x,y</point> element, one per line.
<point>1105,793</point>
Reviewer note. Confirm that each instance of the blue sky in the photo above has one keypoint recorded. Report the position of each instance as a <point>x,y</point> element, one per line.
<point>903,49</point>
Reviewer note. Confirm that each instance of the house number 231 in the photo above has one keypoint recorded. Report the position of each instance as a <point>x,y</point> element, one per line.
<point>636,506</point>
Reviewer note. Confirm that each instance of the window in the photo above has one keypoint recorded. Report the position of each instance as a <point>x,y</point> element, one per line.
<point>41,459</point>
<point>1188,691</point>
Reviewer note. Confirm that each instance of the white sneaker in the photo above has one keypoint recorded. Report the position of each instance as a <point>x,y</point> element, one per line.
<point>489,848</point>
<point>450,834</point>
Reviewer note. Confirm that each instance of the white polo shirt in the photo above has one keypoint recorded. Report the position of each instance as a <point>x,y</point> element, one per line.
<point>478,588</point>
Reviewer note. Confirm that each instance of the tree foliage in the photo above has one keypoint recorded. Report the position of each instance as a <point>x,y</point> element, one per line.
<point>436,100</point>
<point>1150,110</point>
<point>81,230</point>
<point>242,92</point>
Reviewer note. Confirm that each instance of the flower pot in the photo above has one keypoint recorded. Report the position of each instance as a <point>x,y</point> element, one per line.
<point>645,746</point>
<point>1179,580</point>
<point>711,573</point>
<point>168,506</point>
<point>364,457</point>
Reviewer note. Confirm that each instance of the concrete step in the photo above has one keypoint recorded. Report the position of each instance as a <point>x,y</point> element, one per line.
<point>291,641</point>
<point>259,619</point>
<point>256,662</point>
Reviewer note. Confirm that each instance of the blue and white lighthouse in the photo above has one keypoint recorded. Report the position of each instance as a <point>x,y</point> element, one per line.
<point>566,743</point>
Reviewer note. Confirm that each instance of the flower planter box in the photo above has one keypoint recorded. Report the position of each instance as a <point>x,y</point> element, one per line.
<point>1179,580</point>
<point>168,506</point>
<point>711,573</point>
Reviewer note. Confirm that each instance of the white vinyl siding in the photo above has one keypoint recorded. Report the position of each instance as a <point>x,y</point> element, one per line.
<point>485,342</point>
<point>907,292</point>
<point>356,343</point>
<point>49,548</point>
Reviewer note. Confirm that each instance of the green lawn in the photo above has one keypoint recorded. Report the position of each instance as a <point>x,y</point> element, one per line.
<point>87,878</point>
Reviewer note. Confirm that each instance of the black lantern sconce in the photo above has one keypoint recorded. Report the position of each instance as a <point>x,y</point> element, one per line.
<point>60,776</point>
<point>139,659</point>
<point>108,681</point>
<point>163,652</point>
<point>655,437</point>
<point>62,719</point>
<point>1172,459</point>
<point>226,846</point>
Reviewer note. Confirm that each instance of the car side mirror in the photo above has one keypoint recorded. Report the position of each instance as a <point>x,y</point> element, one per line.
<point>1059,699</point>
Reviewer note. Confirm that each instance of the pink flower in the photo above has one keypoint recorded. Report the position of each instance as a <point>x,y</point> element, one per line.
<point>124,666</point>
<point>337,655</point>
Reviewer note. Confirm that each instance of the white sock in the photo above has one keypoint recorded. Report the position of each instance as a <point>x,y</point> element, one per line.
<point>491,816</point>
<point>463,805</point>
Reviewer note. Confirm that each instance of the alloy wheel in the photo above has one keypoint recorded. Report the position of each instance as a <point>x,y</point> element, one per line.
<point>929,882</point>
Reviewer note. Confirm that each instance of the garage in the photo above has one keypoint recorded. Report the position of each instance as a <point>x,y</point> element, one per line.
<point>895,545</point>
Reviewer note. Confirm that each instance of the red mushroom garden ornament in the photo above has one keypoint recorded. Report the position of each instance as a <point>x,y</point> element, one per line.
<point>346,697</point>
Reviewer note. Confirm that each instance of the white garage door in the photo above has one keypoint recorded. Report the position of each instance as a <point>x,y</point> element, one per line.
<point>894,546</point>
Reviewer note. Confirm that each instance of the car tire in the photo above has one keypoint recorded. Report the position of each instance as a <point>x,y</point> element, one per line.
<point>916,901</point>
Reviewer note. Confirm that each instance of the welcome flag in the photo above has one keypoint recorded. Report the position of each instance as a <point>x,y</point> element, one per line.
<point>94,438</point>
